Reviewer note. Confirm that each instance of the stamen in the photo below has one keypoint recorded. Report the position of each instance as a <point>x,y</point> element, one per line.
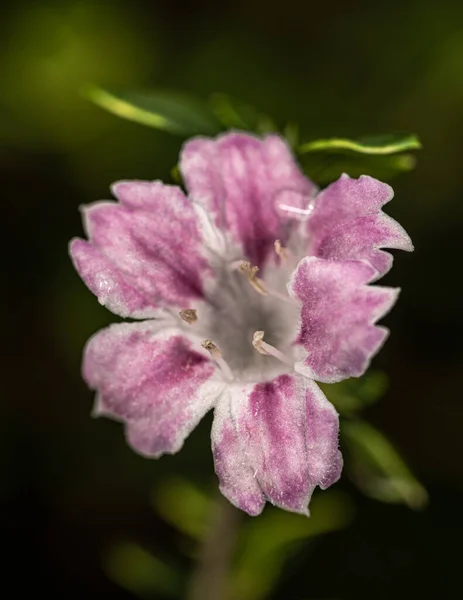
<point>250,272</point>
<point>216,354</point>
<point>280,250</point>
<point>244,266</point>
<point>268,350</point>
<point>189,315</point>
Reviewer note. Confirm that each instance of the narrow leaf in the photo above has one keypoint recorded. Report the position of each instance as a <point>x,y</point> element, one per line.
<point>170,111</point>
<point>323,168</point>
<point>379,144</point>
<point>377,467</point>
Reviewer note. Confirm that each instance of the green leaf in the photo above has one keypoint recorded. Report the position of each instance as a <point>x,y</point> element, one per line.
<point>176,175</point>
<point>184,506</point>
<point>141,573</point>
<point>378,144</point>
<point>268,541</point>
<point>291,133</point>
<point>377,467</point>
<point>356,393</point>
<point>381,156</point>
<point>323,168</point>
<point>170,111</point>
<point>234,114</point>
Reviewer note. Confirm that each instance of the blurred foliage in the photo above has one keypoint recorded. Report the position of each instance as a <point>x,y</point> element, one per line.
<point>235,114</point>
<point>371,460</point>
<point>170,111</point>
<point>378,468</point>
<point>356,394</point>
<point>327,167</point>
<point>264,546</point>
<point>191,518</point>
<point>140,572</point>
<point>323,160</point>
<point>272,539</point>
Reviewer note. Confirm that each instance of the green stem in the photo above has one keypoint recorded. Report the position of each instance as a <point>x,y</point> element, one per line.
<point>210,577</point>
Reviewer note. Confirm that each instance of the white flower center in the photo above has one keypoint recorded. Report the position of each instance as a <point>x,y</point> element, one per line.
<point>241,308</point>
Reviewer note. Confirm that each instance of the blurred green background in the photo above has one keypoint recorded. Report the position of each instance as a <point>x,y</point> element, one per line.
<point>82,514</point>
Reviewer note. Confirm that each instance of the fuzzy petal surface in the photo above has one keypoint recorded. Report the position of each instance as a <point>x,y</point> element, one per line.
<point>153,380</point>
<point>347,223</point>
<point>275,441</point>
<point>149,242</point>
<point>238,178</point>
<point>338,315</point>
<point>108,283</point>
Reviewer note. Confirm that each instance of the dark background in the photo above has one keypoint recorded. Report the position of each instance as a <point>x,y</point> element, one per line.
<point>69,484</point>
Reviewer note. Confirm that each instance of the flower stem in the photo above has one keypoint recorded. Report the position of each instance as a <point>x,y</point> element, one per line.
<point>211,574</point>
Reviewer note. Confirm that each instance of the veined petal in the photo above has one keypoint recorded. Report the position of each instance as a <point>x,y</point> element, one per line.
<point>347,223</point>
<point>152,379</point>
<point>232,461</point>
<point>238,178</point>
<point>152,239</point>
<point>275,441</point>
<point>338,315</point>
<point>107,282</point>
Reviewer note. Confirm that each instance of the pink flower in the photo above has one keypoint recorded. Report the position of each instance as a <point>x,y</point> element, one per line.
<point>250,289</point>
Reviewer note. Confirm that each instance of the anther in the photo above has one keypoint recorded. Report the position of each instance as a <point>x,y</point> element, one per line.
<point>280,250</point>
<point>267,349</point>
<point>244,266</point>
<point>247,269</point>
<point>216,355</point>
<point>189,315</point>
<point>211,348</point>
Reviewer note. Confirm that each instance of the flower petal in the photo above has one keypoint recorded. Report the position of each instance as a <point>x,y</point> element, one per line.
<point>151,242</point>
<point>238,177</point>
<point>231,460</point>
<point>107,283</point>
<point>153,380</point>
<point>338,314</point>
<point>347,223</point>
<point>276,441</point>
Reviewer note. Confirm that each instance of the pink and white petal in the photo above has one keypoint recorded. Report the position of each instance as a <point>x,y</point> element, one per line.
<point>107,283</point>
<point>238,177</point>
<point>338,315</point>
<point>362,238</point>
<point>233,466</point>
<point>281,440</point>
<point>325,459</point>
<point>347,223</point>
<point>153,239</point>
<point>157,381</point>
